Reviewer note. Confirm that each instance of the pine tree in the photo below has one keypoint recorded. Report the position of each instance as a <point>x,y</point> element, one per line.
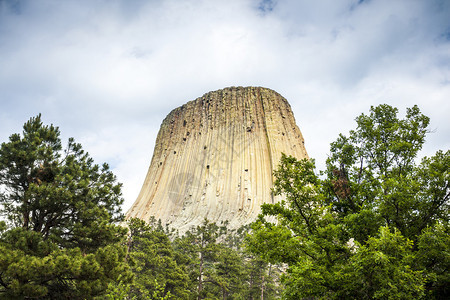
<point>153,262</point>
<point>61,238</point>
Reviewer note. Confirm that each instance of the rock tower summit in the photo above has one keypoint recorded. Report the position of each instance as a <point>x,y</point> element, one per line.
<point>214,158</point>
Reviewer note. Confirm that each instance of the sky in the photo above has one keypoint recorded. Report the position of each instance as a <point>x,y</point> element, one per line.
<point>107,72</point>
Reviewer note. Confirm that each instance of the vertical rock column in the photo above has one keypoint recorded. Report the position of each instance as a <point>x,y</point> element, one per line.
<point>214,158</point>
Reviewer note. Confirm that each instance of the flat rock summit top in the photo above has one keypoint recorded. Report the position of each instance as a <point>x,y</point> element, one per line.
<point>214,158</point>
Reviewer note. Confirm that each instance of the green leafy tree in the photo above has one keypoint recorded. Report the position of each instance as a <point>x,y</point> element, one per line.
<point>200,247</point>
<point>220,267</point>
<point>228,272</point>
<point>432,257</point>
<point>216,260</point>
<point>256,278</point>
<point>62,238</point>
<point>373,171</point>
<point>381,269</point>
<point>117,291</point>
<point>153,262</point>
<point>262,279</point>
<point>360,232</point>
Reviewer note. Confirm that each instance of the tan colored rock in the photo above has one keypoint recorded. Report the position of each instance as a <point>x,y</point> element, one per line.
<point>214,158</point>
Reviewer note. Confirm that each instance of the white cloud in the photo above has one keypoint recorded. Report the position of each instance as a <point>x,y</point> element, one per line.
<point>108,72</point>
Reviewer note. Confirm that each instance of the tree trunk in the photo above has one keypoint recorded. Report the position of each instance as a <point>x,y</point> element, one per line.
<point>200,283</point>
<point>224,293</point>
<point>200,270</point>
<point>262,288</point>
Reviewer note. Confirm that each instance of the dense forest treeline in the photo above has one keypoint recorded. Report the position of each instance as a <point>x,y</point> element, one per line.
<point>207,262</point>
<point>63,236</point>
<point>373,225</point>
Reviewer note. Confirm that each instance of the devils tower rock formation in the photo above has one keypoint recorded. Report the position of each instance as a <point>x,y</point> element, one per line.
<point>214,158</point>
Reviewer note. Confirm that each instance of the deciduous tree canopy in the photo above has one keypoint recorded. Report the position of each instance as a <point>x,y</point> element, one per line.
<point>374,226</point>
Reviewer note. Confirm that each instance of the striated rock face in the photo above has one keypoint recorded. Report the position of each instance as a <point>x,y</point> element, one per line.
<point>214,158</point>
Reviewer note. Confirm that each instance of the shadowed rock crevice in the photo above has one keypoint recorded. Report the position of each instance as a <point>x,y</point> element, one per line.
<point>214,158</point>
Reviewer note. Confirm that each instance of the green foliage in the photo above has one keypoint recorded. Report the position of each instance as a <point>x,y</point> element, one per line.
<point>153,262</point>
<point>376,225</point>
<point>381,269</point>
<point>201,251</point>
<point>433,257</point>
<point>62,238</point>
<point>220,267</point>
<point>262,279</point>
<point>117,291</point>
